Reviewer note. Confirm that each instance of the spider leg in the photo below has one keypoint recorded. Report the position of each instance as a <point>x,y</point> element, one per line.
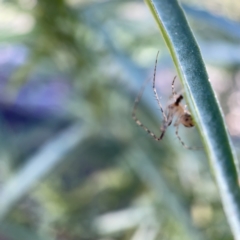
<point>155,91</point>
<point>179,138</point>
<point>177,123</point>
<point>139,123</point>
<point>170,113</point>
<point>173,88</point>
<point>137,100</point>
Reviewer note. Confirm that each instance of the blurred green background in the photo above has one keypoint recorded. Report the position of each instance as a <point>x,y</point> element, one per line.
<point>73,163</point>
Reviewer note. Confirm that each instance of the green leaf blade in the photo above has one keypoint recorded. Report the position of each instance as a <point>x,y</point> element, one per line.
<point>203,103</point>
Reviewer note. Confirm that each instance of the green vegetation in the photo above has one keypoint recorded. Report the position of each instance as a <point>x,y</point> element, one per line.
<point>73,163</point>
<point>206,110</point>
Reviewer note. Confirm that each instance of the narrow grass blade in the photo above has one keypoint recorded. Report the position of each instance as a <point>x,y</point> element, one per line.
<point>203,104</point>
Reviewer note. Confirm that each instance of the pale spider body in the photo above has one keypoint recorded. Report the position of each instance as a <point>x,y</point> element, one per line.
<point>175,109</point>
<point>183,116</point>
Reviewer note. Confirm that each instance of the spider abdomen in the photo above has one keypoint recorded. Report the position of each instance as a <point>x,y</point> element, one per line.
<point>187,120</point>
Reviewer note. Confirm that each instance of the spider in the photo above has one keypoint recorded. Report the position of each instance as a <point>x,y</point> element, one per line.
<point>183,116</point>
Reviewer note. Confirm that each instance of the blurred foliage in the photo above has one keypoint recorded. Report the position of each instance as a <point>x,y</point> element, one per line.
<point>73,163</point>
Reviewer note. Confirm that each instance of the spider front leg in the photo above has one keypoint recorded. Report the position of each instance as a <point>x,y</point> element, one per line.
<point>137,100</point>
<point>155,90</point>
<point>173,86</point>
<point>139,123</point>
